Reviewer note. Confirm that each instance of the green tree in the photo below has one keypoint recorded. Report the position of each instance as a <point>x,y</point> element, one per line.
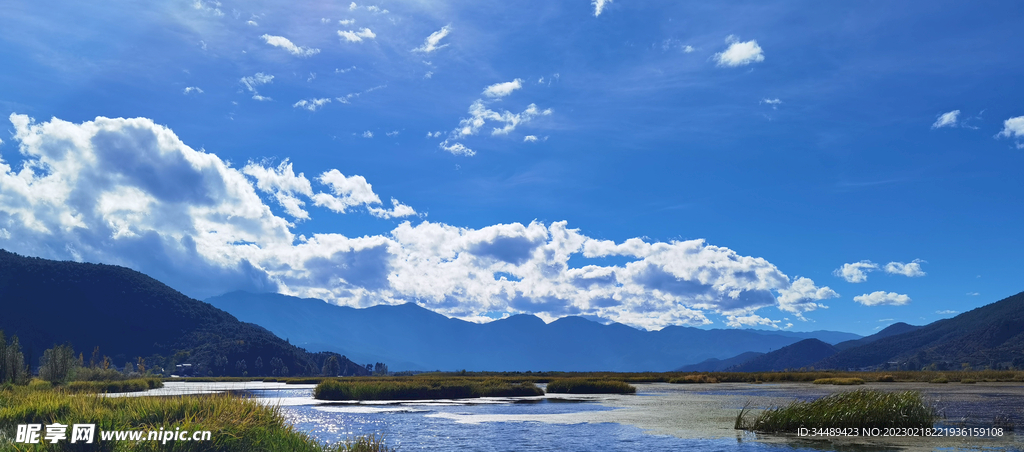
<point>58,364</point>
<point>12,362</point>
<point>331,367</point>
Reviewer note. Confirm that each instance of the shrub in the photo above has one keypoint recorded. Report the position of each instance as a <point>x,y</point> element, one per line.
<point>887,378</point>
<point>584,386</point>
<point>940,379</point>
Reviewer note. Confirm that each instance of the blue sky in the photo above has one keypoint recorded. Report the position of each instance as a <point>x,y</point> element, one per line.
<point>748,164</point>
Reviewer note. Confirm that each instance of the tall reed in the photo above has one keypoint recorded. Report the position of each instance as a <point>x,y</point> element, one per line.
<point>854,409</point>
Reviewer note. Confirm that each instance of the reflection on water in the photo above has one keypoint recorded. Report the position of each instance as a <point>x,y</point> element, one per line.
<point>661,417</point>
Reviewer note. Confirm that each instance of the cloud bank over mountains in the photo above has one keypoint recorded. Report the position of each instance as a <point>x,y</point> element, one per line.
<point>129,192</point>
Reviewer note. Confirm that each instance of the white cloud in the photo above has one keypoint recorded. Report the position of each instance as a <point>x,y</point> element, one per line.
<point>530,139</point>
<point>398,210</point>
<point>347,192</point>
<point>1013,128</point>
<point>367,134</point>
<point>480,115</point>
<point>209,7</point>
<point>856,272</point>
<point>947,312</point>
<point>773,102</point>
<point>499,90</point>
<point>347,22</point>
<point>946,119</point>
<point>429,74</point>
<point>739,53</point>
<point>392,133</point>
<point>372,8</point>
<point>284,43</point>
<point>434,134</point>
<point>254,81</point>
<point>882,297</point>
<point>342,71</point>
<point>912,269</point>
<point>432,41</point>
<point>357,36</point>
<point>283,184</point>
<point>129,192</point>
<point>599,6</point>
<point>192,89</point>
<point>973,294</point>
<point>457,149</point>
<point>252,23</point>
<point>803,296</point>
<point>312,104</point>
<point>689,49</point>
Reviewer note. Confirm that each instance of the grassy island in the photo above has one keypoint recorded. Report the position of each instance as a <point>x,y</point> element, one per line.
<point>585,386</point>
<point>855,409</point>
<point>399,388</point>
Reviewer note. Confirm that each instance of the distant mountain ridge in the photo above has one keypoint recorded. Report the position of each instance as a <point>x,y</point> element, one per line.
<point>794,356</point>
<point>720,365</point>
<point>409,337</point>
<point>990,336</point>
<point>130,315</point>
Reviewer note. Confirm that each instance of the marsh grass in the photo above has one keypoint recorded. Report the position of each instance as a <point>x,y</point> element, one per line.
<point>839,381</point>
<point>134,385</point>
<point>237,424</point>
<point>690,379</point>
<point>854,409</point>
<point>585,386</point>
<point>421,389</point>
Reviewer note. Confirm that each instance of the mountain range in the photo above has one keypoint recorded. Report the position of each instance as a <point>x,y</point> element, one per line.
<point>129,315</point>
<point>991,336</point>
<point>410,337</point>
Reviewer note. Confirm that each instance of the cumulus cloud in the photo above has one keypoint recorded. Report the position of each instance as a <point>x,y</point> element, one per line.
<point>312,104</point>
<point>499,90</point>
<point>357,36</point>
<point>129,192</point>
<point>457,148</point>
<point>252,82</point>
<point>398,210</point>
<point>192,89</point>
<point>912,269</point>
<point>347,192</point>
<point>774,103</point>
<point>283,184</point>
<point>599,6</point>
<point>856,272</point>
<point>739,53</point>
<point>347,22</point>
<point>947,119</point>
<point>882,297</point>
<point>432,41</point>
<point>367,134</point>
<point>530,139</point>
<point>284,43</point>
<point>1013,128</point>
